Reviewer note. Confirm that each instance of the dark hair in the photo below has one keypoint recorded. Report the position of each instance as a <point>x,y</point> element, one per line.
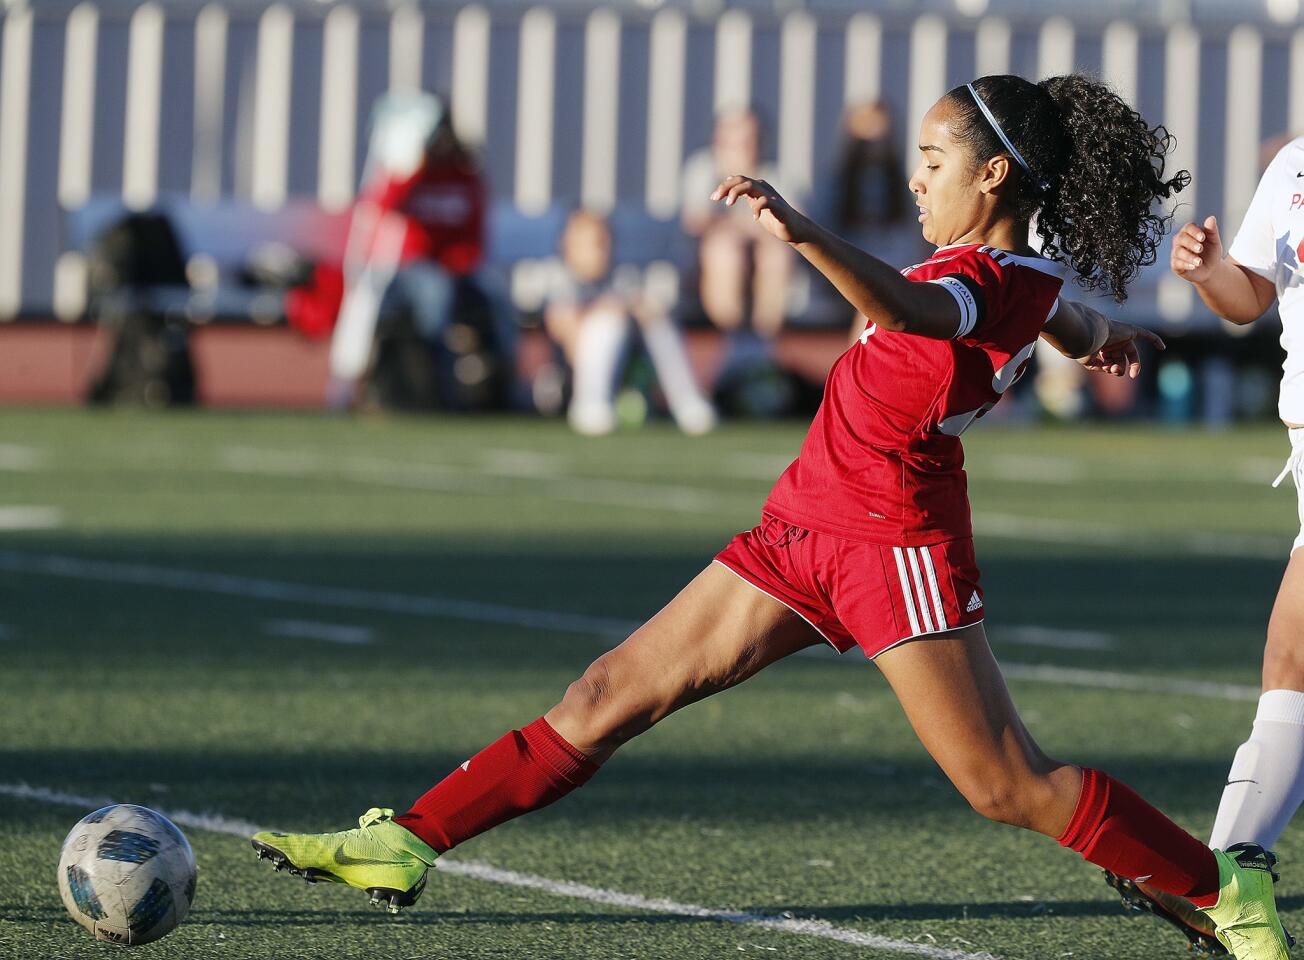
<point>1101,164</point>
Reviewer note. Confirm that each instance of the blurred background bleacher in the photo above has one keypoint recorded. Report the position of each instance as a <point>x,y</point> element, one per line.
<point>246,123</point>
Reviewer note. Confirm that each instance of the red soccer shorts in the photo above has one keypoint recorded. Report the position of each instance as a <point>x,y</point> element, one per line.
<point>860,593</point>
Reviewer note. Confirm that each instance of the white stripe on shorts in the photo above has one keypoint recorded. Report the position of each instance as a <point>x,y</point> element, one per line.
<point>938,606</point>
<point>905,590</point>
<point>913,554</point>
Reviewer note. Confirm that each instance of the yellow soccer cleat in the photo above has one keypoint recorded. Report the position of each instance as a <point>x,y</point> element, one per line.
<point>1246,913</point>
<point>386,860</point>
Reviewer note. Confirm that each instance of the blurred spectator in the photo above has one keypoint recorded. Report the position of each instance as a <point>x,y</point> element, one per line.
<point>590,314</point>
<point>871,202</point>
<point>416,237</point>
<point>743,278</point>
<point>866,199</point>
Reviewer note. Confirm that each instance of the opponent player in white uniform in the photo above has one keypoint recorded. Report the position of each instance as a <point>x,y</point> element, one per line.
<point>1266,783</point>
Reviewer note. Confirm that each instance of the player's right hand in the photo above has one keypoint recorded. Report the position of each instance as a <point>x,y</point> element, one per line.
<point>1197,250</point>
<point>769,209</point>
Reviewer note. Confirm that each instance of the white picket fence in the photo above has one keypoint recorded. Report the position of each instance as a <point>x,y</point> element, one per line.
<point>595,105</point>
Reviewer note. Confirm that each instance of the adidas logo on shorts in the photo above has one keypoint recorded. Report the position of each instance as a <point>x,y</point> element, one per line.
<point>975,602</point>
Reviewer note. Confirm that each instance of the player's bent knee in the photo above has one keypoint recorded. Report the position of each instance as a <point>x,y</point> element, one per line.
<point>601,711</point>
<point>1015,801</point>
<point>1283,663</point>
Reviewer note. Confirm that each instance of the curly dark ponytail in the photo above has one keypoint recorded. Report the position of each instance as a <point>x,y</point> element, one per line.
<point>1100,163</point>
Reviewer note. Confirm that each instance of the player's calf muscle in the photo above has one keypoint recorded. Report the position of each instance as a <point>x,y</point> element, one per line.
<point>614,700</point>
<point>1283,658</point>
<point>597,713</point>
<point>1031,800</point>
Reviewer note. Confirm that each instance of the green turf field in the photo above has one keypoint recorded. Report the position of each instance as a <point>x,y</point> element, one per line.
<point>160,629</point>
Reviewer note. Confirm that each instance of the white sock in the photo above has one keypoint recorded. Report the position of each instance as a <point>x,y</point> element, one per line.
<point>1266,783</point>
<point>691,410</point>
<point>598,350</point>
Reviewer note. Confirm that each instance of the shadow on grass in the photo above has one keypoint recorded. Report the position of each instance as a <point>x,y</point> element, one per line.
<point>1186,606</point>
<point>329,787</point>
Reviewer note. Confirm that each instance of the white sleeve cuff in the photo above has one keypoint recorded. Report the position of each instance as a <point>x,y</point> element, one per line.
<point>964,299</point>
<point>1243,252</point>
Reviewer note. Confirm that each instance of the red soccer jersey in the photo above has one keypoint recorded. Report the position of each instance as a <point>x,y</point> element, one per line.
<point>882,462</point>
<point>444,209</point>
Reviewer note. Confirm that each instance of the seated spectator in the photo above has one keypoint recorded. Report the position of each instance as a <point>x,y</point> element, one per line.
<point>415,240</point>
<point>871,204</point>
<point>743,281</point>
<point>591,313</point>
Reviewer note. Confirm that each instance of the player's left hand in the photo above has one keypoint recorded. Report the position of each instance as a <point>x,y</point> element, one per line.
<point>1119,356</point>
<point>769,209</point>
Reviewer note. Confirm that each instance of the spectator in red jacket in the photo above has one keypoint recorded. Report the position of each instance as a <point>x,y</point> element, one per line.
<point>440,207</point>
<point>417,234</point>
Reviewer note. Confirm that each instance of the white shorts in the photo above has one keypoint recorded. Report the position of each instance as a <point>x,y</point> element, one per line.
<point>1295,469</point>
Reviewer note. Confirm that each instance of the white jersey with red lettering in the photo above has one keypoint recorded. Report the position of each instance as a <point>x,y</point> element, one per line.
<point>1271,243</point>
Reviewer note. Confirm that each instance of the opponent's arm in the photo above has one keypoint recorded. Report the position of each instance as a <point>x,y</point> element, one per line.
<point>1100,344</point>
<point>1234,292</point>
<point>873,287</point>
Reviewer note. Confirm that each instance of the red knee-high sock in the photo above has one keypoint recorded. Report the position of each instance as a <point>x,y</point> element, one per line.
<point>524,770</point>
<point>1115,829</point>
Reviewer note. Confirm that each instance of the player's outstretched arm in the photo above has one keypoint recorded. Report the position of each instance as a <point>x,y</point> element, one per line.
<point>1235,293</point>
<point>873,287</point>
<point>1100,344</point>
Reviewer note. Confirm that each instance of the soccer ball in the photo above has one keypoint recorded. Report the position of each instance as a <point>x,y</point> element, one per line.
<point>127,874</point>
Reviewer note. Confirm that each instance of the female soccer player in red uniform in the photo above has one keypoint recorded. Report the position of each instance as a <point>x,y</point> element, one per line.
<point>865,540</point>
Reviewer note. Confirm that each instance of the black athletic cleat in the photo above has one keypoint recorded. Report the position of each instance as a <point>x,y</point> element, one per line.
<point>1198,929</point>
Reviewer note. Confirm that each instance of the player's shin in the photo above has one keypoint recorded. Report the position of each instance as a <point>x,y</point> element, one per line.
<point>1116,829</point>
<point>1266,783</point>
<point>523,770</point>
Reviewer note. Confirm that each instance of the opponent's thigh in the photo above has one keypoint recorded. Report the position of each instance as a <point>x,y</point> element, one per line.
<point>717,632</point>
<point>956,699</point>
<point>1283,657</point>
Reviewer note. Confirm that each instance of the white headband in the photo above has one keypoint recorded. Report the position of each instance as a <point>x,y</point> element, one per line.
<point>1041,185</point>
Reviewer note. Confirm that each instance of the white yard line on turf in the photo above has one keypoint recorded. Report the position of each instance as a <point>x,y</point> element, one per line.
<point>16,457</point>
<point>822,929</point>
<point>495,477</point>
<point>1140,682</point>
<point>108,571</point>
<point>1010,526</point>
<point>341,633</point>
<point>1032,635</point>
<point>1031,468</point>
<point>505,478</point>
<point>30,518</point>
<point>607,629</point>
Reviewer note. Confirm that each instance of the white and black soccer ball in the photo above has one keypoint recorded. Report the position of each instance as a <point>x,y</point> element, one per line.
<point>127,874</point>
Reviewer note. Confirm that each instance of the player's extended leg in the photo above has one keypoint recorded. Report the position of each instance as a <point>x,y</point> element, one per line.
<point>717,632</point>
<point>1266,783</point>
<point>956,700</point>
